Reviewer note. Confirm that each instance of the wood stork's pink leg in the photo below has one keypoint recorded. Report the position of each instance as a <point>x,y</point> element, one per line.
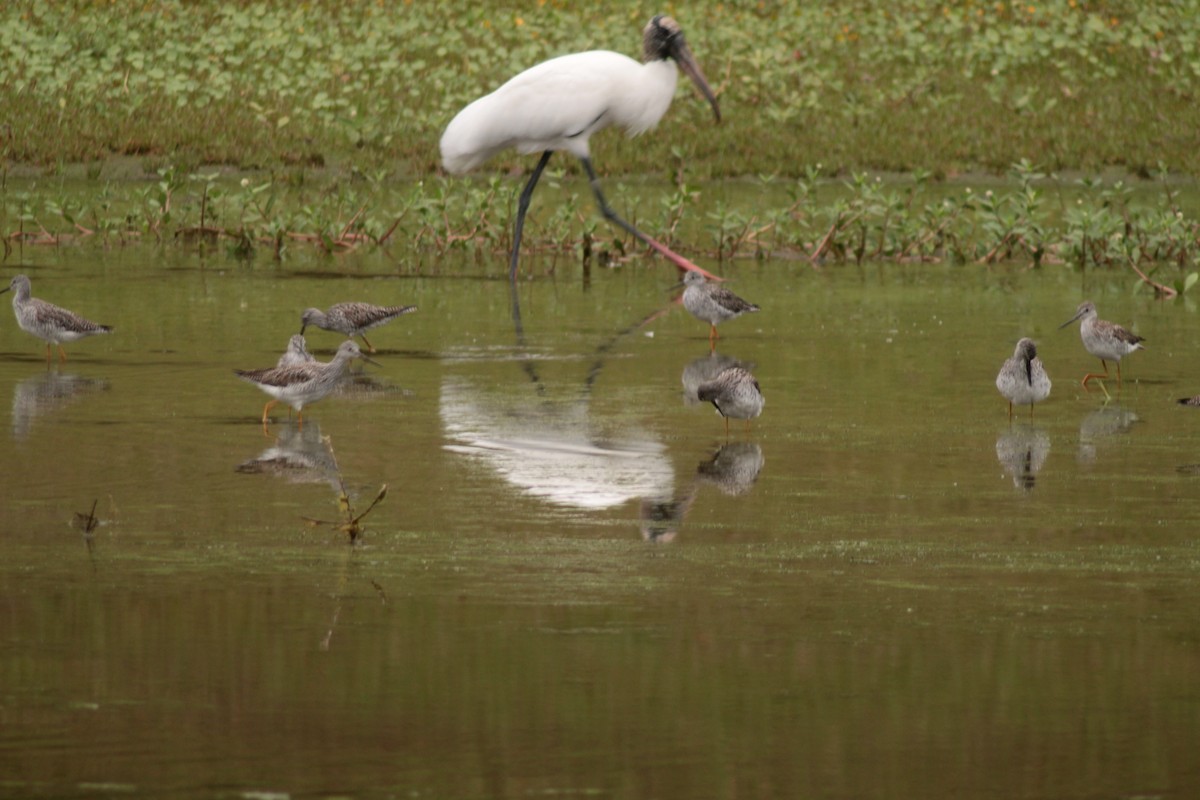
<point>612,216</point>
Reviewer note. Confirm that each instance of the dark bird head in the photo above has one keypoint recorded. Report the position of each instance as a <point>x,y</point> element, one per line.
<point>1026,352</point>
<point>663,39</point>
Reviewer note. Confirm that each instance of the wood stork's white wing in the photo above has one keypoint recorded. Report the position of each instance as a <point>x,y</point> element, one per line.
<point>557,105</point>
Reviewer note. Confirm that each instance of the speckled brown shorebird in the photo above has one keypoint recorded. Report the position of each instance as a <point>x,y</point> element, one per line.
<point>1023,379</point>
<point>712,303</point>
<point>734,393</point>
<point>302,384</point>
<point>352,319</point>
<point>1105,340</point>
<point>48,322</point>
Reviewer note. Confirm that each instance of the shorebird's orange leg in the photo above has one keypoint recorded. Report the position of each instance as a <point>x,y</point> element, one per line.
<point>62,355</point>
<point>370,349</point>
<point>1091,375</point>
<point>265,418</point>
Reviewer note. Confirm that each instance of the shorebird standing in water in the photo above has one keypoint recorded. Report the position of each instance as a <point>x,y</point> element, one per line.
<point>1023,379</point>
<point>48,322</point>
<point>1105,340</point>
<point>296,353</point>
<point>734,393</point>
<point>352,319</point>
<point>302,384</point>
<point>712,303</point>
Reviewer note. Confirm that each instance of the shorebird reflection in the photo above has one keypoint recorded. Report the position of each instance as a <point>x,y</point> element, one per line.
<point>47,393</point>
<point>732,468</point>
<point>1105,422</point>
<point>1021,452</point>
<point>299,455</point>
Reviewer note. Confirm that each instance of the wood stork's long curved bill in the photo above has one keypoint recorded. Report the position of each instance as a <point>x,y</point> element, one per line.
<point>560,103</point>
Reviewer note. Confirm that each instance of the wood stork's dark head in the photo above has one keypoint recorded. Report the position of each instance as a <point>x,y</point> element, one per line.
<point>663,39</point>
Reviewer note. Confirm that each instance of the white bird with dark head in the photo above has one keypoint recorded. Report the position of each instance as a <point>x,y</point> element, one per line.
<point>560,103</point>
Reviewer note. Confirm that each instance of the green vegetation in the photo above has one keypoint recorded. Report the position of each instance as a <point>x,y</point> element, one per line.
<point>327,117</point>
<point>944,87</point>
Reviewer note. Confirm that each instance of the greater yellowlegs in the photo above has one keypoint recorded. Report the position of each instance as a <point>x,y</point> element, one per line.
<point>48,322</point>
<point>735,393</point>
<point>1023,379</point>
<point>303,384</point>
<point>712,303</point>
<point>1105,340</point>
<point>296,353</point>
<point>352,319</point>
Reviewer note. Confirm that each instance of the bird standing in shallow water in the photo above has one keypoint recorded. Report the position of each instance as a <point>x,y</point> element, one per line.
<point>559,103</point>
<point>735,393</point>
<point>302,384</point>
<point>1023,379</point>
<point>352,319</point>
<point>712,303</point>
<point>48,322</point>
<point>1105,340</point>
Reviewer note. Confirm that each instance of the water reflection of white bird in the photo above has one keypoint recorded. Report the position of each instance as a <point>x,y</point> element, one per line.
<point>553,449</point>
<point>299,455</point>
<point>47,393</point>
<point>1104,422</point>
<point>1022,452</point>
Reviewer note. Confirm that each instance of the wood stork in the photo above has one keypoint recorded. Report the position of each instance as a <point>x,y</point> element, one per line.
<point>560,103</point>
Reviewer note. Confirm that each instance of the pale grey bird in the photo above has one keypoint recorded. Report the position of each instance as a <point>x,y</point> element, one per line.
<point>296,353</point>
<point>48,322</point>
<point>1105,340</point>
<point>302,384</point>
<point>735,393</point>
<point>712,303</point>
<point>352,319</point>
<point>1023,379</point>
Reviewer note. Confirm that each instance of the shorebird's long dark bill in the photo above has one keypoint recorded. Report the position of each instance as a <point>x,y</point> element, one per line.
<point>1072,319</point>
<point>683,57</point>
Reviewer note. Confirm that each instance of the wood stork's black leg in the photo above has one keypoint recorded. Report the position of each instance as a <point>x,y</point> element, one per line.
<point>612,216</point>
<point>522,207</point>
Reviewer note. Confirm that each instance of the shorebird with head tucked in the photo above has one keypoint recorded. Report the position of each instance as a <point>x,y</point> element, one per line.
<point>296,353</point>
<point>48,322</point>
<point>1105,340</point>
<point>1023,379</point>
<point>734,393</point>
<point>352,319</point>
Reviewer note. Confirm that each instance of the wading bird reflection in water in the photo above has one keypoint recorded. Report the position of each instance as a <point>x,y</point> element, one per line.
<point>560,103</point>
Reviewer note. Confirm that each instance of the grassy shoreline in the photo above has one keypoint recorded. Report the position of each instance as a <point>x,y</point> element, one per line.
<point>943,87</point>
<point>270,125</point>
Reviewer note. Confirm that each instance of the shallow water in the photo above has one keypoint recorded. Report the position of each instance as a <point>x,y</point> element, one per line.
<point>576,584</point>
